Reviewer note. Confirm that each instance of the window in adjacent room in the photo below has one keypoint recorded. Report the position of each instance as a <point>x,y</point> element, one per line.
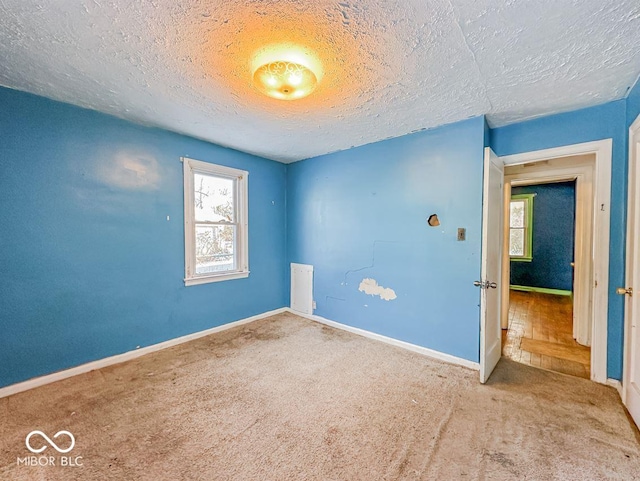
<point>521,227</point>
<point>215,222</point>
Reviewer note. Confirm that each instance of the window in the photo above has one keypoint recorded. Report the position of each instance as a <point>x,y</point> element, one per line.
<point>521,227</point>
<point>215,223</point>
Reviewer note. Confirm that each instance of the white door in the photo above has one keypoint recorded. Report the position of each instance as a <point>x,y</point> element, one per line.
<point>491,267</point>
<point>631,378</point>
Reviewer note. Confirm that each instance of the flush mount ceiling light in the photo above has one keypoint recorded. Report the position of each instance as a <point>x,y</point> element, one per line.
<point>285,80</point>
<point>286,71</point>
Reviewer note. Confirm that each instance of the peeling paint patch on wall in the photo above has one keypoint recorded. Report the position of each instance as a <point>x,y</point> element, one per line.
<point>371,287</point>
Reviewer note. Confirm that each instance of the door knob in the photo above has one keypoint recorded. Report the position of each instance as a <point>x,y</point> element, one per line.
<point>485,284</point>
<point>624,291</point>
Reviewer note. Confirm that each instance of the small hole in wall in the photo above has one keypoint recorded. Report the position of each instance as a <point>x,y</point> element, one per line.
<point>433,220</point>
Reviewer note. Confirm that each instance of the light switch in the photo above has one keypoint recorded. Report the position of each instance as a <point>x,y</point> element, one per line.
<point>462,234</point>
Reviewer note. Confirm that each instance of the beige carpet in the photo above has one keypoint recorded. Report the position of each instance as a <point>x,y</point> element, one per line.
<point>288,399</point>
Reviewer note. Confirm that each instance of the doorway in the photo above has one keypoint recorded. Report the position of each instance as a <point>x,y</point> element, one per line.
<point>591,264</point>
<point>589,164</point>
<point>541,225</point>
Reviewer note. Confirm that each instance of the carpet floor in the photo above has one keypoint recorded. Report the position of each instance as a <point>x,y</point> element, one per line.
<point>285,398</point>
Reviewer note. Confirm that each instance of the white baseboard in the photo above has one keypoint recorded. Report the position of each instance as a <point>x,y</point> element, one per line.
<point>616,384</point>
<point>425,351</point>
<point>117,359</point>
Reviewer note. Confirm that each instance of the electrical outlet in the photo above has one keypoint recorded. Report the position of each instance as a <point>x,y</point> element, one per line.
<point>462,233</point>
<point>314,304</point>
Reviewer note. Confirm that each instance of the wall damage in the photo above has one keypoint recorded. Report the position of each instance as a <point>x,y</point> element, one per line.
<point>371,287</point>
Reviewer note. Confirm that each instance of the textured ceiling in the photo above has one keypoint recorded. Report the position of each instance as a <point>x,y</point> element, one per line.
<point>389,67</point>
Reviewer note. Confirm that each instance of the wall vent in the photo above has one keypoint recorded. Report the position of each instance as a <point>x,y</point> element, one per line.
<point>302,288</point>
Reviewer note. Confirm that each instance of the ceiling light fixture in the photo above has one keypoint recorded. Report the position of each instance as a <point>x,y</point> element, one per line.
<point>285,80</point>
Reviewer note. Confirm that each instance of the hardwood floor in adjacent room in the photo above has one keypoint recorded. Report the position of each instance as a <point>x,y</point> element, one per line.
<point>540,334</point>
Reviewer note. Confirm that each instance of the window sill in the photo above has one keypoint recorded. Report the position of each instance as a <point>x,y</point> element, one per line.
<point>521,259</point>
<point>194,281</point>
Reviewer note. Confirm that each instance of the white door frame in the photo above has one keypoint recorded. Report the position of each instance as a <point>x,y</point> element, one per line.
<point>632,257</point>
<point>602,149</point>
<point>565,169</point>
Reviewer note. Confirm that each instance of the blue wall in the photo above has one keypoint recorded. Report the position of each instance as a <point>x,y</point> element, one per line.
<point>595,123</point>
<point>633,103</point>
<point>90,265</point>
<point>487,134</point>
<point>363,213</point>
<point>553,237</point>
<point>92,268</point>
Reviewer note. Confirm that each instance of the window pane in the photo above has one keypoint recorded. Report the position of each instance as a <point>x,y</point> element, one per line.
<point>213,198</point>
<point>214,248</point>
<point>516,242</point>
<point>517,213</point>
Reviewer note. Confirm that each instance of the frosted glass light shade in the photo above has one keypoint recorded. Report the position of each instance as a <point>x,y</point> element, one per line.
<point>285,80</point>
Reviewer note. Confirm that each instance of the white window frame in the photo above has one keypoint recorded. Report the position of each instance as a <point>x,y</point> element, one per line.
<point>241,205</point>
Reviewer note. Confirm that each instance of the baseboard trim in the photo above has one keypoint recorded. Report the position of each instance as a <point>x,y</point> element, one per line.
<point>615,384</point>
<point>425,351</point>
<point>541,290</point>
<point>126,356</point>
